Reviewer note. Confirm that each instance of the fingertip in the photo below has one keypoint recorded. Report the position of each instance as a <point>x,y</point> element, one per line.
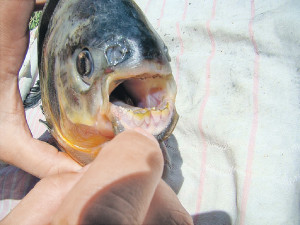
<point>145,133</point>
<point>166,208</point>
<point>137,142</point>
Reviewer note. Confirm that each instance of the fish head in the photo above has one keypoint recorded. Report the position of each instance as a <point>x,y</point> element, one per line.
<point>103,70</point>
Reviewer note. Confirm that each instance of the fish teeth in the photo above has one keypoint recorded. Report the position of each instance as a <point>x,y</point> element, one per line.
<point>147,117</point>
<point>138,119</point>
<point>123,110</point>
<point>129,115</point>
<point>165,113</point>
<point>156,115</point>
<point>143,117</point>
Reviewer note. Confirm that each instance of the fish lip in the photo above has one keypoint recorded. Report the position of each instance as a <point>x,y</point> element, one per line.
<point>166,104</point>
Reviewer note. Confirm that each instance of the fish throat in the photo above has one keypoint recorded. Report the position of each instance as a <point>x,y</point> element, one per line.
<point>141,92</point>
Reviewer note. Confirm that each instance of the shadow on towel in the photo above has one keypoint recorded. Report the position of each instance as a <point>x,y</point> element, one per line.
<point>172,173</point>
<point>212,218</point>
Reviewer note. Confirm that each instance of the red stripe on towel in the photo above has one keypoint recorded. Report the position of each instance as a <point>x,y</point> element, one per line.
<point>253,135</point>
<point>30,117</point>
<point>185,9</point>
<point>203,106</point>
<point>147,6</point>
<point>181,44</point>
<point>179,54</point>
<point>162,12</point>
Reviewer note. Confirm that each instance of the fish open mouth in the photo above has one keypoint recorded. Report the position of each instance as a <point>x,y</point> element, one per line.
<point>146,101</point>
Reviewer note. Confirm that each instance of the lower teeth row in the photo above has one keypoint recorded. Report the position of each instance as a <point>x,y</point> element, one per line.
<point>138,117</point>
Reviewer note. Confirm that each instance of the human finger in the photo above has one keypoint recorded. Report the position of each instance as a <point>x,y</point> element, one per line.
<point>165,208</point>
<point>38,158</point>
<point>119,185</point>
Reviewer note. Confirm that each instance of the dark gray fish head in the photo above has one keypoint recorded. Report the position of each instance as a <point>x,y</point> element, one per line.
<point>103,70</point>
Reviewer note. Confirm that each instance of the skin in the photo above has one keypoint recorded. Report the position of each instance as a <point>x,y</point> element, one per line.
<point>122,185</point>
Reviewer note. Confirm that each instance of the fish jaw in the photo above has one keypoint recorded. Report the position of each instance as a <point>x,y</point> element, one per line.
<point>80,154</point>
<point>153,92</point>
<point>143,96</point>
<point>82,142</point>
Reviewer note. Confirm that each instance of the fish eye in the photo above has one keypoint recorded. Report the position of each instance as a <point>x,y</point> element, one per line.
<point>84,64</point>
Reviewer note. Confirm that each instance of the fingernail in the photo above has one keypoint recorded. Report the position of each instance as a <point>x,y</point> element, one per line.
<point>145,133</point>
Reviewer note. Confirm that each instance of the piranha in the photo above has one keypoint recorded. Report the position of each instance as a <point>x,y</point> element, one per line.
<point>103,69</point>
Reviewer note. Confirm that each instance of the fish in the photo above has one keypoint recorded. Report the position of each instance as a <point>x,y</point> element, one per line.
<point>103,70</point>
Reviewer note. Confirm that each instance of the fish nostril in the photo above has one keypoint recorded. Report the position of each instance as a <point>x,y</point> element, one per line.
<point>116,52</point>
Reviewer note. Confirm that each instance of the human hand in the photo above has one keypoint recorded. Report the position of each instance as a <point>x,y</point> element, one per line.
<point>17,146</point>
<point>121,186</point>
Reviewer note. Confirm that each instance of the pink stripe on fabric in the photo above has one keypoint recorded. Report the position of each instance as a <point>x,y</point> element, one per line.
<point>181,44</point>
<point>203,106</point>
<point>36,127</point>
<point>253,135</point>
<point>36,122</point>
<point>161,13</point>
<point>185,9</point>
<point>147,6</point>
<point>179,54</point>
<point>30,117</point>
